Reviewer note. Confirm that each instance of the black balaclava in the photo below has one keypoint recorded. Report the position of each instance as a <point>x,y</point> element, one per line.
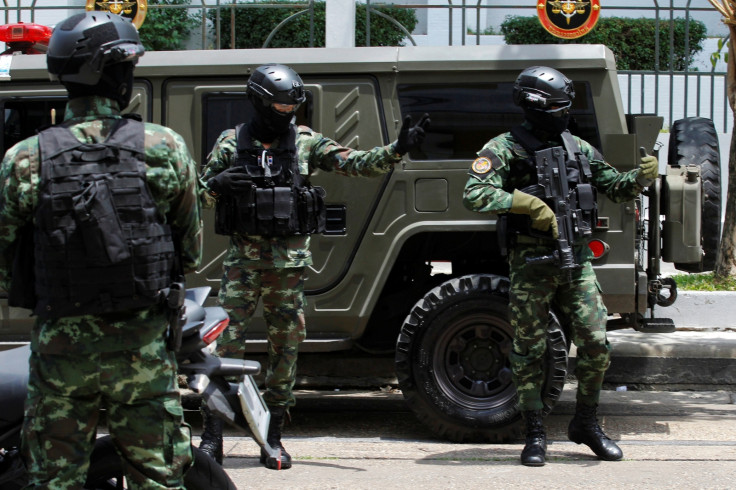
<point>546,121</point>
<point>116,83</point>
<point>267,123</point>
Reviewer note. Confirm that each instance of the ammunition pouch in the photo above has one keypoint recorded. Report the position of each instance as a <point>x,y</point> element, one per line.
<point>311,210</point>
<point>281,202</point>
<point>272,211</point>
<point>587,219</point>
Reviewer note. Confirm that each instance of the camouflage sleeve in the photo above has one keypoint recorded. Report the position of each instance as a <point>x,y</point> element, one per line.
<point>484,190</point>
<point>219,159</point>
<point>184,207</point>
<point>18,193</point>
<point>618,186</point>
<point>326,154</point>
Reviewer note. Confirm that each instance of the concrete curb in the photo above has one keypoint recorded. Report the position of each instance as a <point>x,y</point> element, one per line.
<point>713,310</point>
<point>698,355</point>
<point>679,344</point>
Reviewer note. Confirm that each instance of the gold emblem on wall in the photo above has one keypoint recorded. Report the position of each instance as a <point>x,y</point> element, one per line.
<point>568,19</point>
<point>133,10</point>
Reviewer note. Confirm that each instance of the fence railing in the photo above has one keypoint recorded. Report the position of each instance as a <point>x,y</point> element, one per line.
<point>670,94</point>
<point>675,95</point>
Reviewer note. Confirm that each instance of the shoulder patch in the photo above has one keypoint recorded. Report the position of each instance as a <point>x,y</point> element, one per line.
<point>482,165</point>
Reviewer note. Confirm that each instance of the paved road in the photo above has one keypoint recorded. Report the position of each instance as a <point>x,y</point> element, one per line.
<point>362,440</point>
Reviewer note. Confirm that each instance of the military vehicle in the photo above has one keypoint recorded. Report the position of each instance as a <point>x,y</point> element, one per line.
<point>405,275</point>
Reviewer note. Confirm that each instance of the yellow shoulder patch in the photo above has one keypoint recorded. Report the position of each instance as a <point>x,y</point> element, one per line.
<point>482,165</point>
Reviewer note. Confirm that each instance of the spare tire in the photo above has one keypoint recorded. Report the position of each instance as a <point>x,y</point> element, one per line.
<point>694,141</point>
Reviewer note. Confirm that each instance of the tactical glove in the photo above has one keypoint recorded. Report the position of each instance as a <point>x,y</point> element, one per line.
<point>411,137</point>
<point>543,218</point>
<point>648,170</point>
<point>232,181</point>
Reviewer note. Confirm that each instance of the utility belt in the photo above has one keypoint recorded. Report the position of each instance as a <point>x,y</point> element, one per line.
<point>272,211</point>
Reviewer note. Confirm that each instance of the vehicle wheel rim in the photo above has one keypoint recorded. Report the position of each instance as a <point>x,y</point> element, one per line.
<point>471,362</point>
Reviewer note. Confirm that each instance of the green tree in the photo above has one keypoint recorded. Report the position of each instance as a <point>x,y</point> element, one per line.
<point>167,28</point>
<point>253,25</point>
<point>631,40</point>
<point>726,259</point>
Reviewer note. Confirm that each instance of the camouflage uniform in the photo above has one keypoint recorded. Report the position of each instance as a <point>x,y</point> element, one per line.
<point>273,267</point>
<point>116,361</point>
<point>535,288</point>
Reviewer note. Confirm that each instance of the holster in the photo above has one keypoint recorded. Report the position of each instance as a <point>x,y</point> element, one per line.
<point>175,314</point>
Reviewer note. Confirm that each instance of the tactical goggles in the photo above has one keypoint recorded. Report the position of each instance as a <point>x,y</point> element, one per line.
<point>284,108</point>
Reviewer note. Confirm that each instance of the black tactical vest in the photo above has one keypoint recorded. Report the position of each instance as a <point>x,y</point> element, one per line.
<point>582,198</point>
<point>101,244</point>
<point>281,201</point>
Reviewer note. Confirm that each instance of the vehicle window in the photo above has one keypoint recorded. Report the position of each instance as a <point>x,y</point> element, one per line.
<point>465,117</point>
<point>22,117</point>
<point>225,110</point>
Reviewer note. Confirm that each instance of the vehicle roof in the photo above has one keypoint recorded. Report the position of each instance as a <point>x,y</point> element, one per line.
<point>346,60</point>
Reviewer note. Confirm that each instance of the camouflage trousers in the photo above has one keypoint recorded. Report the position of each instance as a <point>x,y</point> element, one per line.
<point>282,291</point>
<point>534,290</point>
<point>138,388</point>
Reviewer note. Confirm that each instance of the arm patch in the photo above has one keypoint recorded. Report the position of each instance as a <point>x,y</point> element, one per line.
<point>486,162</point>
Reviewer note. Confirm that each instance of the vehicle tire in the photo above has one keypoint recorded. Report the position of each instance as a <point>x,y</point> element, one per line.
<point>13,474</point>
<point>106,470</point>
<point>452,361</point>
<point>694,141</point>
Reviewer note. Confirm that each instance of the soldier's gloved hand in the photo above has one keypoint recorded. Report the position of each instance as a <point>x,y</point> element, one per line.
<point>232,181</point>
<point>543,218</point>
<point>411,137</point>
<point>648,170</point>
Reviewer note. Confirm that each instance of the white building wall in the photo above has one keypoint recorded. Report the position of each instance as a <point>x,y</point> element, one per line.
<point>46,12</point>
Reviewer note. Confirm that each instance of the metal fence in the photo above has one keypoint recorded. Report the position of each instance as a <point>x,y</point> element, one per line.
<point>668,93</point>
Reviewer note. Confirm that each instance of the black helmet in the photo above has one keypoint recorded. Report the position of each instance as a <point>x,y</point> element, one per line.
<point>540,87</point>
<point>546,95</point>
<point>276,83</point>
<point>269,87</point>
<point>84,44</point>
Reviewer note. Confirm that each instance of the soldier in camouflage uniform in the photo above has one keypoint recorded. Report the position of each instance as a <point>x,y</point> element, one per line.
<point>116,360</point>
<point>503,168</point>
<point>272,267</point>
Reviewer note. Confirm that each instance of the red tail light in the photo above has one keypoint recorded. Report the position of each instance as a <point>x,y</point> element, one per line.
<point>22,32</point>
<point>598,247</point>
<point>212,335</point>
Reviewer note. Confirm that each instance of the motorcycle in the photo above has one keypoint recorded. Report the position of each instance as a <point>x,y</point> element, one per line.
<point>240,404</point>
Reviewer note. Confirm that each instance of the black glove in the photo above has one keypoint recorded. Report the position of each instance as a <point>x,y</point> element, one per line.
<point>411,137</point>
<point>232,181</point>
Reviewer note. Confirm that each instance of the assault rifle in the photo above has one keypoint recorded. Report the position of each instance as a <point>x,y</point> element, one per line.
<point>553,189</point>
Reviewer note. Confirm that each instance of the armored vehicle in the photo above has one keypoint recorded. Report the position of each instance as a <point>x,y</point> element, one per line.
<point>405,275</point>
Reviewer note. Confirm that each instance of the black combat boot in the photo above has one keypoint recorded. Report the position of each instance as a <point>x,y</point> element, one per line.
<point>212,435</point>
<point>273,438</point>
<point>536,439</point>
<point>584,429</point>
